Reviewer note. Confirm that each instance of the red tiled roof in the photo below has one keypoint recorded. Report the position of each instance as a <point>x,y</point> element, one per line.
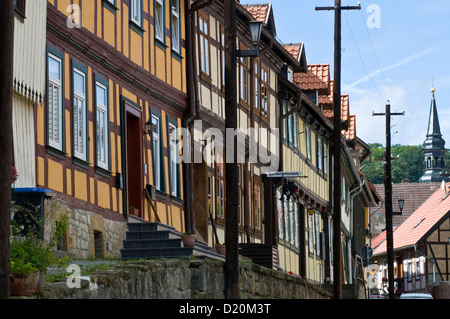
<point>258,11</point>
<point>317,77</point>
<point>413,229</point>
<point>414,194</point>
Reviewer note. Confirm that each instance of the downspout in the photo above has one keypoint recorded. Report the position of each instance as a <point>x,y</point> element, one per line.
<point>353,193</point>
<point>187,122</point>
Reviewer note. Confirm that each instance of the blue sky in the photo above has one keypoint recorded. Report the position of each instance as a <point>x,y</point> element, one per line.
<point>397,57</point>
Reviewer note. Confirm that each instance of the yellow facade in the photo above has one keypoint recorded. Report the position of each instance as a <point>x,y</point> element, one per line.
<point>107,33</point>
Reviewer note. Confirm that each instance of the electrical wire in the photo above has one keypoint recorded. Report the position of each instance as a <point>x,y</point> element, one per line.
<point>375,55</point>
<point>362,61</point>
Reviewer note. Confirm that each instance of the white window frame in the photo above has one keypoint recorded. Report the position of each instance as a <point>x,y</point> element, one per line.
<point>173,165</point>
<point>156,144</point>
<point>55,112</point>
<point>102,122</point>
<point>204,38</point>
<point>176,26</point>
<point>79,118</point>
<point>159,20</point>
<point>136,12</point>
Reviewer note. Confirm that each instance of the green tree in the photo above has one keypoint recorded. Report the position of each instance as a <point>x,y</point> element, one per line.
<point>408,163</point>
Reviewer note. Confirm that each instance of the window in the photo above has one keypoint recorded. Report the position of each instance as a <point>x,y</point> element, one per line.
<point>257,206</point>
<point>210,195</point>
<point>203,21</point>
<point>280,215</point>
<point>102,129</point>
<point>110,5</point>
<point>322,155</point>
<point>317,233</point>
<point>417,260</point>
<point>264,91</point>
<point>80,119</point>
<point>288,222</point>
<point>136,12</point>
<point>55,110</point>
<point>176,27</point>
<point>173,165</point>
<point>160,33</point>
<point>285,122</point>
<point>222,54</point>
<point>157,150</point>
<point>220,191</point>
<point>256,82</point>
<point>409,267</point>
<point>244,80</point>
<point>240,195</point>
<point>19,5</point>
<point>308,143</point>
<point>310,232</point>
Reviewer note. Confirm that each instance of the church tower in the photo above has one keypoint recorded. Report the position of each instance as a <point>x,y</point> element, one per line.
<point>434,148</point>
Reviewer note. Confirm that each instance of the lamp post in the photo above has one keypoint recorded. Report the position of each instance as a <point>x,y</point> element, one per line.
<point>231,165</point>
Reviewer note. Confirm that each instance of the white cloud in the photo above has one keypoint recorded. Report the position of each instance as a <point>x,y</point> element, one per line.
<point>396,65</point>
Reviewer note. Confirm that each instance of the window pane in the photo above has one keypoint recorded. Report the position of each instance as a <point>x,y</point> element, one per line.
<point>101,95</point>
<point>78,82</point>
<point>54,68</point>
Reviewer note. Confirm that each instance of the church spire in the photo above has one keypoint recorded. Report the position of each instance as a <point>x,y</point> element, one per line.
<point>434,129</point>
<point>434,148</point>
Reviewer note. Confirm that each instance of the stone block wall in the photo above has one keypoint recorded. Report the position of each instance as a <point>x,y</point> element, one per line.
<point>83,226</point>
<point>184,279</point>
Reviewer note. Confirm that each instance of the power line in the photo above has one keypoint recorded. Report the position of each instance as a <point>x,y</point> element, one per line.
<point>375,55</point>
<point>362,61</point>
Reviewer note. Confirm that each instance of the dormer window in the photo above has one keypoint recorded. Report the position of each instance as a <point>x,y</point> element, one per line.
<point>290,75</point>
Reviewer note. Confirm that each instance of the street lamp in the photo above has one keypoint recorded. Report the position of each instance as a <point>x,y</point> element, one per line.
<point>401,204</point>
<point>255,35</point>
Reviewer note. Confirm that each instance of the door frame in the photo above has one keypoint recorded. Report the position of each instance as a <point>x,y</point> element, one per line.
<point>130,108</point>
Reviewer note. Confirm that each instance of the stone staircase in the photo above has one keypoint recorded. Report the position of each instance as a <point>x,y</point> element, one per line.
<point>155,240</point>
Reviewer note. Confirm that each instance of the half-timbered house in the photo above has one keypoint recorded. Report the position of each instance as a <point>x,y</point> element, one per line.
<point>116,90</point>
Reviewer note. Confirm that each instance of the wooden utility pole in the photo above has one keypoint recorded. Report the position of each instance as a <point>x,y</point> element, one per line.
<point>6,98</point>
<point>337,260</point>
<point>231,167</point>
<point>388,199</point>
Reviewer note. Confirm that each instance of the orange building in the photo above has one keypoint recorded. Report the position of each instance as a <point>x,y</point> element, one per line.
<point>116,90</point>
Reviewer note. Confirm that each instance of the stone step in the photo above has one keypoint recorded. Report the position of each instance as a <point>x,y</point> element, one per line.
<point>152,243</point>
<point>152,234</point>
<point>168,252</point>
<point>149,227</point>
<point>155,240</point>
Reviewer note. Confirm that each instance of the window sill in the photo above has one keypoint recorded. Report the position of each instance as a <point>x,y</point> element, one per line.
<point>177,56</point>
<point>176,200</point>
<point>134,26</point>
<point>55,152</point>
<point>81,163</point>
<point>160,44</point>
<point>110,6</point>
<point>103,172</point>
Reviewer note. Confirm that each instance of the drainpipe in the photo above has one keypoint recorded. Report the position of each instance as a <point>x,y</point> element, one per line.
<point>187,123</point>
<point>353,194</point>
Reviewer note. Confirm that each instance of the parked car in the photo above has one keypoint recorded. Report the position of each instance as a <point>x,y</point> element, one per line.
<point>415,296</point>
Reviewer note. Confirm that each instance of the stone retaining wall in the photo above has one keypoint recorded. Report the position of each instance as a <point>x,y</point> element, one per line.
<point>184,279</point>
<point>83,226</point>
